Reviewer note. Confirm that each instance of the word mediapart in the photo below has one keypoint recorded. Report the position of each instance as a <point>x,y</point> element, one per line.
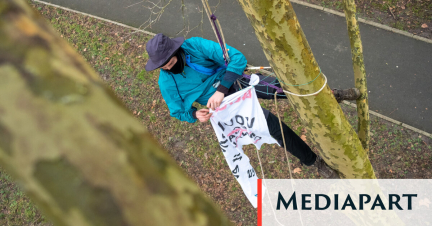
<point>323,202</point>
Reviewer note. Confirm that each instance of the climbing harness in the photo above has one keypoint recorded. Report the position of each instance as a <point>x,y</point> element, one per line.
<point>272,85</point>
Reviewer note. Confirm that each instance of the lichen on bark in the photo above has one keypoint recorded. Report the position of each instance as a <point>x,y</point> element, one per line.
<point>359,72</point>
<point>74,147</point>
<point>288,52</point>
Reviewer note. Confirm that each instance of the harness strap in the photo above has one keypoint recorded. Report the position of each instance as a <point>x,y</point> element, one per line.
<point>202,69</point>
<point>278,89</point>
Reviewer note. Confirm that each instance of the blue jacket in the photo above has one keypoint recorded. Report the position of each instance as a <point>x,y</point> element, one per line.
<point>195,86</point>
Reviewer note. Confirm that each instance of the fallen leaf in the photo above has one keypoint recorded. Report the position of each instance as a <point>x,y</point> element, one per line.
<point>134,112</point>
<point>303,137</point>
<point>403,7</point>
<point>139,46</point>
<point>297,170</point>
<point>85,49</point>
<point>391,171</point>
<point>424,26</point>
<point>139,113</point>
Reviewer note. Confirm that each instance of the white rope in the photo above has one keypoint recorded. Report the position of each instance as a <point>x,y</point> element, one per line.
<point>289,168</point>
<point>283,137</point>
<point>268,195</point>
<point>311,94</point>
<point>286,153</point>
<point>209,13</point>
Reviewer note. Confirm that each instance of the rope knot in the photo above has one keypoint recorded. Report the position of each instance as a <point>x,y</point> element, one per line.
<point>213,17</point>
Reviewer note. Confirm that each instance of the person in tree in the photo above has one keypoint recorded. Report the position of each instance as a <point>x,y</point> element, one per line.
<point>194,70</point>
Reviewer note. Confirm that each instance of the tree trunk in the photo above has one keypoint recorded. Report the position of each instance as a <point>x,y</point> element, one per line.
<point>359,72</point>
<point>73,146</point>
<point>286,48</point>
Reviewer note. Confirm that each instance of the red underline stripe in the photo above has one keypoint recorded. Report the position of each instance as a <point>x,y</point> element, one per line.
<point>259,202</point>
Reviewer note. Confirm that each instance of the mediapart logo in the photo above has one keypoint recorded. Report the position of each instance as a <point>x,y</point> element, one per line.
<point>344,202</point>
<point>323,202</point>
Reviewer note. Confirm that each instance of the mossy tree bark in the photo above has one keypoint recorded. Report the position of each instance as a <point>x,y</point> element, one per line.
<point>73,147</point>
<point>288,52</point>
<point>359,72</point>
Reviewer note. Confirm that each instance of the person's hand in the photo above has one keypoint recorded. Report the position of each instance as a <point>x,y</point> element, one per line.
<point>215,100</point>
<point>203,115</point>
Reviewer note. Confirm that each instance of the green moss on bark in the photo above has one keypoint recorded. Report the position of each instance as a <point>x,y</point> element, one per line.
<point>90,162</point>
<point>288,52</point>
<point>359,72</point>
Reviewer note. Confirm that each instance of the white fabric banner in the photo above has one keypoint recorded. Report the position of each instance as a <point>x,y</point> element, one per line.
<point>240,121</point>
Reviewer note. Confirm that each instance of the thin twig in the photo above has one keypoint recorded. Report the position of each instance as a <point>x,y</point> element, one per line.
<point>391,13</point>
<point>135,4</point>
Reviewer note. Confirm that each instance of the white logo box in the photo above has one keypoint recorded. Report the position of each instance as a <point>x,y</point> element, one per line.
<point>345,202</point>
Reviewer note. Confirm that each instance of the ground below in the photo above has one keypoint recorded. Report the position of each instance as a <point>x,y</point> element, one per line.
<point>414,16</point>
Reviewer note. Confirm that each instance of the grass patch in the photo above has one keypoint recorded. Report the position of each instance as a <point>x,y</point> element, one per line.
<point>16,208</point>
<point>406,15</point>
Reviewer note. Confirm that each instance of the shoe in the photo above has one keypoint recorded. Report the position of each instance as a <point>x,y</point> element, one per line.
<point>325,170</point>
<point>346,94</point>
